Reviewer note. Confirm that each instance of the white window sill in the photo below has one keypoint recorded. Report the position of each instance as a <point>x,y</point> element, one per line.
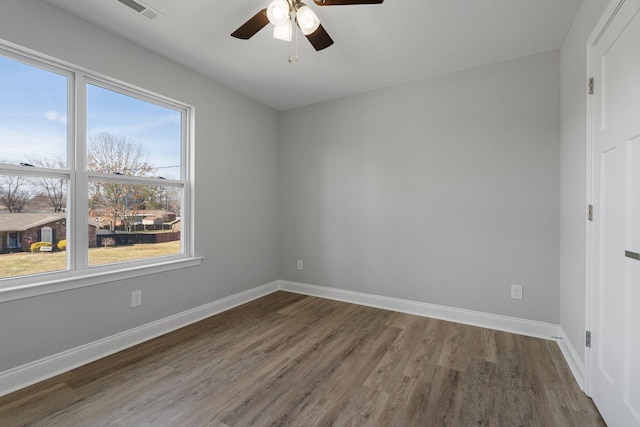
<point>88,278</point>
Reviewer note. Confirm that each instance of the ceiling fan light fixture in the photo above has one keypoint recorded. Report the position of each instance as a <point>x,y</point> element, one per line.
<point>283,32</point>
<point>281,13</point>
<point>307,20</point>
<point>278,12</point>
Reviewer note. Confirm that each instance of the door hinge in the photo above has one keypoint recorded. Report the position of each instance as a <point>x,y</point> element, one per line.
<point>587,341</point>
<point>590,86</point>
<point>590,212</point>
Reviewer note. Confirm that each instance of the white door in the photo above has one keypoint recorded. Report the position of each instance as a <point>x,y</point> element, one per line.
<point>615,299</point>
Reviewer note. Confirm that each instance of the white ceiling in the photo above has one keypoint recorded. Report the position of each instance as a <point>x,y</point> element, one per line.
<point>375,46</point>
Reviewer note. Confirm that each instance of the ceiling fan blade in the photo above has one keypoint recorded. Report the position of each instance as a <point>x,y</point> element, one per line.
<point>345,2</point>
<point>320,39</point>
<point>252,26</point>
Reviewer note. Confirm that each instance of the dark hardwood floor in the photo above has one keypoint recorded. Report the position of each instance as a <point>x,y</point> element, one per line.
<point>288,359</point>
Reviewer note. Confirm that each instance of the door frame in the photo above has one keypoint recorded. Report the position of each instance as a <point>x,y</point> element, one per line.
<point>603,23</point>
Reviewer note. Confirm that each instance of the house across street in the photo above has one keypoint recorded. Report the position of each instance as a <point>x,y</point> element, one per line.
<point>19,230</point>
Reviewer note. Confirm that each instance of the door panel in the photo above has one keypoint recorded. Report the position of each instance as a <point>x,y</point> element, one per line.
<point>633,196</point>
<point>610,298</point>
<point>632,358</point>
<point>621,69</point>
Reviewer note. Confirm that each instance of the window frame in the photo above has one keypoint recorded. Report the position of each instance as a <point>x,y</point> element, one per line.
<point>78,273</point>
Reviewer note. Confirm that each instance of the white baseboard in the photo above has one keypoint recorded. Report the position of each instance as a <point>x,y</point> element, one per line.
<point>39,370</point>
<point>573,360</point>
<point>469,317</point>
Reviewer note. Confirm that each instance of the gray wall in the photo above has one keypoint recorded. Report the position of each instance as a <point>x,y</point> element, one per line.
<point>236,194</point>
<point>443,191</point>
<point>574,173</point>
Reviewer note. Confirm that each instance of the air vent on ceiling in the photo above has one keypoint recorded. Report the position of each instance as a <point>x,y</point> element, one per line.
<point>148,13</point>
<point>142,9</point>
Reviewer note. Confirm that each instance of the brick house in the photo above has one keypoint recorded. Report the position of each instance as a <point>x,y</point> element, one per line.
<point>19,230</point>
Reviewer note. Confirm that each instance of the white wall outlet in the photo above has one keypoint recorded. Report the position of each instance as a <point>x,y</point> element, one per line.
<point>136,298</point>
<point>516,291</point>
<point>299,264</point>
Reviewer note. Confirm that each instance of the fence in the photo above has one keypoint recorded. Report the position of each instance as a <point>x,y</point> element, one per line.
<point>136,238</point>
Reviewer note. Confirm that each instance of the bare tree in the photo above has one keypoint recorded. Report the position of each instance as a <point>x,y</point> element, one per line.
<point>116,154</point>
<point>166,198</point>
<point>15,192</point>
<point>172,200</point>
<point>55,188</point>
<point>111,154</point>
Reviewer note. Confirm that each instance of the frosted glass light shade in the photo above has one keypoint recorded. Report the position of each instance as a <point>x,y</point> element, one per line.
<point>307,20</point>
<point>278,12</point>
<point>283,32</point>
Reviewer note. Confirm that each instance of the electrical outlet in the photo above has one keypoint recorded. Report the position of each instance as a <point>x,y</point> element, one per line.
<point>136,298</point>
<point>516,291</point>
<point>299,264</point>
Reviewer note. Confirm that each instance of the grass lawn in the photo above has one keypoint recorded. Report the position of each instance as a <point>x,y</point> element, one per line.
<point>24,263</point>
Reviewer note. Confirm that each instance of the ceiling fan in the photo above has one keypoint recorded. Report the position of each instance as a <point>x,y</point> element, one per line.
<point>281,12</point>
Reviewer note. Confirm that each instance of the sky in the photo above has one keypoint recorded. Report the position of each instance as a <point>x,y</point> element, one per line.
<point>33,119</point>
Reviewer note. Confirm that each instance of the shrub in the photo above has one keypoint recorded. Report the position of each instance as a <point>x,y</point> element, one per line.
<point>62,245</point>
<point>108,241</point>
<point>35,247</point>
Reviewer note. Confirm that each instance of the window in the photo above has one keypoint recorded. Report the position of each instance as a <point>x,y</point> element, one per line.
<point>134,163</point>
<point>34,140</point>
<point>46,234</point>
<point>97,169</point>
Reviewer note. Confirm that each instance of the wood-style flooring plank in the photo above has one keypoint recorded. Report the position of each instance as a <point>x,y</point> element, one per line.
<point>478,394</point>
<point>387,375</point>
<point>294,360</point>
<point>444,400</point>
<point>37,405</point>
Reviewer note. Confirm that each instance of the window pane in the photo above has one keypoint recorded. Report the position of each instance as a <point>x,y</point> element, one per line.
<point>129,136</point>
<point>133,221</point>
<point>33,225</point>
<point>33,115</point>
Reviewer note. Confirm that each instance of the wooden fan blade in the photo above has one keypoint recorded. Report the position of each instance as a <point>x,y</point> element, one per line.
<point>320,39</point>
<point>252,26</point>
<point>345,2</point>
